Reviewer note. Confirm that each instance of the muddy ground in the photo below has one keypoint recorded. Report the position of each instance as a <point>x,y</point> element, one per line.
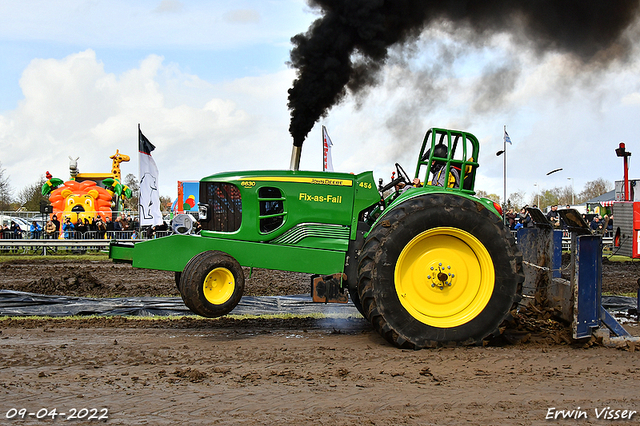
<point>292,371</point>
<point>103,278</point>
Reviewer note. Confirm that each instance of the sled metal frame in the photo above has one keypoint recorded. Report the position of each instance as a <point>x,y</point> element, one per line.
<point>586,279</point>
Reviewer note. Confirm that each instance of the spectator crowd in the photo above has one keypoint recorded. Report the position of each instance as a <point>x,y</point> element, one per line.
<point>97,227</point>
<point>596,222</point>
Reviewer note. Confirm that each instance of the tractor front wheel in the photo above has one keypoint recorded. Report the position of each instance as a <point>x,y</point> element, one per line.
<point>439,269</point>
<point>212,284</point>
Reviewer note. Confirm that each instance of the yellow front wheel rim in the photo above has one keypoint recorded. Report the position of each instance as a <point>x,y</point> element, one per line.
<point>218,286</point>
<point>444,277</point>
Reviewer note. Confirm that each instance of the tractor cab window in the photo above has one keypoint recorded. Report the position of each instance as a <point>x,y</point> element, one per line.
<point>225,206</point>
<point>271,209</point>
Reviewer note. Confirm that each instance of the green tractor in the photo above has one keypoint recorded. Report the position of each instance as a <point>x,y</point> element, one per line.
<point>422,259</point>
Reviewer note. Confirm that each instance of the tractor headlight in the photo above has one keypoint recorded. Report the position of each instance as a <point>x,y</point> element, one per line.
<point>203,210</point>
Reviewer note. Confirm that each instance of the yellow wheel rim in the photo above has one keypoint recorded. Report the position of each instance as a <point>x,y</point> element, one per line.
<point>444,277</point>
<point>218,286</point>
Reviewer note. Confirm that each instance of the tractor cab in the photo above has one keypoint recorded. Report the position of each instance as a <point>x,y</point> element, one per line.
<point>448,161</point>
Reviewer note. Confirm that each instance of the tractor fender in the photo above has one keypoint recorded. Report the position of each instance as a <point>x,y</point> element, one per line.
<point>431,191</point>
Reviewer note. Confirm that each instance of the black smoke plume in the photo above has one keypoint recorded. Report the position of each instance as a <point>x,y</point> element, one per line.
<point>344,50</point>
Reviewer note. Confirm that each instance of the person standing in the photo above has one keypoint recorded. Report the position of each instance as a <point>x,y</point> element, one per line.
<point>511,218</point>
<point>35,230</point>
<point>50,229</point>
<point>16,231</point>
<point>554,216</point>
<point>101,228</point>
<point>56,222</point>
<point>109,227</point>
<point>80,228</point>
<point>68,229</point>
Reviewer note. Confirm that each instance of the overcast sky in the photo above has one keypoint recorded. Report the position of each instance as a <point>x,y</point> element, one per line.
<point>208,81</point>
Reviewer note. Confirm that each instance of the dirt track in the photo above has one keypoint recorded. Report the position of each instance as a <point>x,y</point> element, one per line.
<point>277,372</point>
<point>102,278</point>
<point>288,371</point>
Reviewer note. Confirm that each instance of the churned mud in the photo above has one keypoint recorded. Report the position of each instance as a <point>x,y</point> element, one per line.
<point>103,278</point>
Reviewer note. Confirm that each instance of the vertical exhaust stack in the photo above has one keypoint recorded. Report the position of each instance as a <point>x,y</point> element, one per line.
<point>622,152</point>
<point>296,151</point>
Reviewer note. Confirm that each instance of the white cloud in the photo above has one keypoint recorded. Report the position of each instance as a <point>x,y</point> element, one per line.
<point>169,6</point>
<point>72,107</point>
<point>242,16</point>
<point>631,99</point>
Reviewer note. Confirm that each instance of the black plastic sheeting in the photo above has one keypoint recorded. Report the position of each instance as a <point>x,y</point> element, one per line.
<point>619,303</point>
<point>18,303</point>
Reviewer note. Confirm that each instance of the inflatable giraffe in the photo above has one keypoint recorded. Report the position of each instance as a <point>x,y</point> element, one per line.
<point>115,166</point>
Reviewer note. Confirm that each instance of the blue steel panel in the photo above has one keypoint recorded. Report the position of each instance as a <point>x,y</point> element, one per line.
<point>556,258</point>
<point>613,323</point>
<point>528,243</point>
<point>589,256</point>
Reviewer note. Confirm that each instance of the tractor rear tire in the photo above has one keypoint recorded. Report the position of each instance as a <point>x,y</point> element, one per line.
<point>439,269</point>
<point>212,284</point>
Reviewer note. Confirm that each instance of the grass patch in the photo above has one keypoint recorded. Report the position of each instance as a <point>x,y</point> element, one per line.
<point>618,258</point>
<point>315,315</point>
<point>631,294</point>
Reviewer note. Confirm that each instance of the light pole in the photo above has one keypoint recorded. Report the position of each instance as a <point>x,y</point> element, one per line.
<point>505,139</point>
<point>537,195</point>
<point>573,201</point>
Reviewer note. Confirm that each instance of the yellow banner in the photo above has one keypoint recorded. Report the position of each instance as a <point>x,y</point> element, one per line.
<point>295,179</point>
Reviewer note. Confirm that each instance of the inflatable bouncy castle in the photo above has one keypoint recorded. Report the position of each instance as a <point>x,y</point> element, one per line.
<point>86,197</point>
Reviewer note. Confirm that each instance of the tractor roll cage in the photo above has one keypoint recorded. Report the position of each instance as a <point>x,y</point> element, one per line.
<point>463,149</point>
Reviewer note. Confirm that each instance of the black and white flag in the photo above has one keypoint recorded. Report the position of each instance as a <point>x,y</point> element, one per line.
<point>149,197</point>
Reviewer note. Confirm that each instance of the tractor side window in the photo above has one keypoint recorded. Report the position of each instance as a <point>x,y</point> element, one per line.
<point>225,205</point>
<point>271,209</point>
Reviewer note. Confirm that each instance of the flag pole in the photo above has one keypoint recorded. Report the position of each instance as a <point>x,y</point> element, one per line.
<point>504,176</point>
<point>139,221</point>
<point>324,152</point>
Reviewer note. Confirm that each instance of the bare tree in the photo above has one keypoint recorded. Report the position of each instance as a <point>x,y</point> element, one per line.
<point>565,195</point>
<point>548,197</point>
<point>31,196</point>
<point>484,194</point>
<point>516,200</point>
<point>132,182</point>
<point>5,190</point>
<point>593,189</point>
<point>165,203</point>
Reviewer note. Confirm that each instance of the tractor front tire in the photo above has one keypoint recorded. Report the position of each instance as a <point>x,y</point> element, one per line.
<point>212,284</point>
<point>439,269</point>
